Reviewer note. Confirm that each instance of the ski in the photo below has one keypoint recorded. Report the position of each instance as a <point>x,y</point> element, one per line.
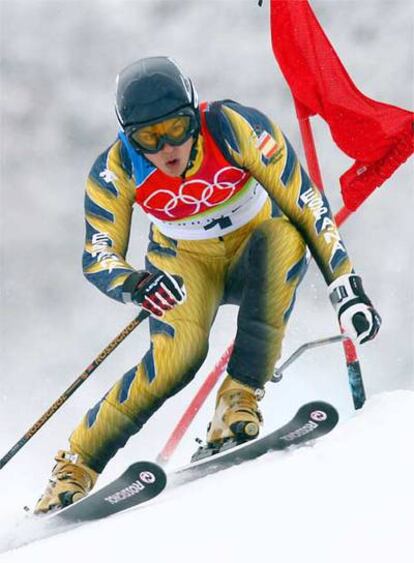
<point>312,420</point>
<point>144,480</point>
<point>141,482</point>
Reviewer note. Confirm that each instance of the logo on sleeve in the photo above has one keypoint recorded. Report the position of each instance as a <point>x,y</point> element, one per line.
<point>323,224</point>
<point>101,250</point>
<point>268,148</point>
<point>108,176</point>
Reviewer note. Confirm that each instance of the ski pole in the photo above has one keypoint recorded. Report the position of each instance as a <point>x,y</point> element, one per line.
<point>72,388</point>
<point>278,374</point>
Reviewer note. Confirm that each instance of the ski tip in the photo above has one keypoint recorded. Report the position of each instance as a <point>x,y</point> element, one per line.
<point>149,472</point>
<point>320,412</point>
<point>142,481</point>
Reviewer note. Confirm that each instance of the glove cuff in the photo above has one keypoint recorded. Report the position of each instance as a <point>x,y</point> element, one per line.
<point>346,290</point>
<point>130,285</point>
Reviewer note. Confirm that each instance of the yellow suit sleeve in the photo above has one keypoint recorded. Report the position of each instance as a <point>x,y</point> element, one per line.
<point>260,147</point>
<point>109,199</point>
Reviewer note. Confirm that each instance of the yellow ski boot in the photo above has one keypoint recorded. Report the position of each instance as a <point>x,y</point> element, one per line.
<point>70,481</point>
<point>237,416</point>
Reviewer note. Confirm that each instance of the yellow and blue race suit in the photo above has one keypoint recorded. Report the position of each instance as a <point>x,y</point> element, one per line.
<point>236,228</point>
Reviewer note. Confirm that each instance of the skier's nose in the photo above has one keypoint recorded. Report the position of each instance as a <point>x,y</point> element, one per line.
<point>167,149</point>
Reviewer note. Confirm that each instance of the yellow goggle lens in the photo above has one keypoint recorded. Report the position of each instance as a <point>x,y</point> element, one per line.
<point>174,129</point>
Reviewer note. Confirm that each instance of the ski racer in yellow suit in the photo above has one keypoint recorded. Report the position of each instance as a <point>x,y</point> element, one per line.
<point>233,213</point>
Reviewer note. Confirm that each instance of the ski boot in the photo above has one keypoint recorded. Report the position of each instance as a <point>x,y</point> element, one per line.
<point>70,481</point>
<point>237,418</point>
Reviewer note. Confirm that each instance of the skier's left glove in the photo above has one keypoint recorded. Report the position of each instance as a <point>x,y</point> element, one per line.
<point>356,314</point>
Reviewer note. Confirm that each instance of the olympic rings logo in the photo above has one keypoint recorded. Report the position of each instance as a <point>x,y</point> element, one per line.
<point>195,196</point>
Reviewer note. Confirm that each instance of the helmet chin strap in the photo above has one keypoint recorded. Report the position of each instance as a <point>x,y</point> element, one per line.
<point>197,131</point>
<point>193,154</point>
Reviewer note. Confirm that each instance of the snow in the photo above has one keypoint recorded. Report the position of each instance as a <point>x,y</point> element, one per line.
<point>347,497</point>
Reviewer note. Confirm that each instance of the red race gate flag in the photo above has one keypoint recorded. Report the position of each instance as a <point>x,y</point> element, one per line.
<point>380,137</point>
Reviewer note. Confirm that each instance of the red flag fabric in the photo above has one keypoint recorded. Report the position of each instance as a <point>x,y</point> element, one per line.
<point>380,137</point>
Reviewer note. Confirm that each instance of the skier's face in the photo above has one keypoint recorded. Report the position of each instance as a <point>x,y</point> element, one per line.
<point>172,160</point>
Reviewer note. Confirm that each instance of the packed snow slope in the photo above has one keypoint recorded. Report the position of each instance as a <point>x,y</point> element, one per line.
<point>347,497</point>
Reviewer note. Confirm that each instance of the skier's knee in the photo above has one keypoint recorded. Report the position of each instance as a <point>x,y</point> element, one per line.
<point>190,367</point>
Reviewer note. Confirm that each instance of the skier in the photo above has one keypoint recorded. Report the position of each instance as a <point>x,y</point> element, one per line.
<point>232,215</point>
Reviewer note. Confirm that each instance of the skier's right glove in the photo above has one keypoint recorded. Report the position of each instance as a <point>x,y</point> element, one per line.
<point>356,314</point>
<point>155,292</point>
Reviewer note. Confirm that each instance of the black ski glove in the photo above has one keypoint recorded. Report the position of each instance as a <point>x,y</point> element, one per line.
<point>156,293</point>
<point>356,314</point>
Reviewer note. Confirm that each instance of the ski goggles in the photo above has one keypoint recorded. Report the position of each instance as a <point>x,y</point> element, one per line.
<point>174,131</point>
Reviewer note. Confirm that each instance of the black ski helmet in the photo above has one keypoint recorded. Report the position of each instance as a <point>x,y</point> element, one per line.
<point>152,89</point>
